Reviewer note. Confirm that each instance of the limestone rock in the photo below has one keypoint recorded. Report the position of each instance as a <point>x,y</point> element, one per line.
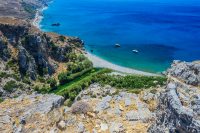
<point>80,128</point>
<point>116,128</point>
<point>61,125</point>
<point>127,102</point>
<point>132,116</point>
<point>173,115</point>
<point>189,72</point>
<point>104,126</point>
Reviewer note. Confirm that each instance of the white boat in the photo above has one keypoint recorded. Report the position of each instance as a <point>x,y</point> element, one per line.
<point>135,51</point>
<point>117,45</point>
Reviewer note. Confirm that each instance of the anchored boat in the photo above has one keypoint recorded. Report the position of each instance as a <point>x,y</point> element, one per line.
<point>117,45</point>
<point>135,51</point>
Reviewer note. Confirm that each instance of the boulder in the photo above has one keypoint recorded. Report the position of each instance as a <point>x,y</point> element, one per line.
<point>61,125</point>
<point>80,127</point>
<point>104,126</point>
<point>116,128</point>
<point>189,72</point>
<point>132,116</point>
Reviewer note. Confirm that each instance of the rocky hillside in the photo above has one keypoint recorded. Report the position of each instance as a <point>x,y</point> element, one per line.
<point>27,54</point>
<point>96,109</point>
<point>23,9</point>
<point>104,109</point>
<point>179,106</point>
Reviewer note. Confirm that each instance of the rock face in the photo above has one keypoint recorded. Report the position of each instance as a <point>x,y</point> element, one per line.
<point>178,109</point>
<point>37,52</point>
<point>189,72</point>
<point>4,51</point>
<point>34,111</point>
<point>27,63</point>
<point>23,9</point>
<point>46,113</point>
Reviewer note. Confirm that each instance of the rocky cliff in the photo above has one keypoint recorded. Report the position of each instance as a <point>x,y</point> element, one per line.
<point>179,105</point>
<point>28,54</point>
<point>23,9</point>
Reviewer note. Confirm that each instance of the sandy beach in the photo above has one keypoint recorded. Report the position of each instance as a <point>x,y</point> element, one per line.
<point>98,62</point>
<point>38,17</point>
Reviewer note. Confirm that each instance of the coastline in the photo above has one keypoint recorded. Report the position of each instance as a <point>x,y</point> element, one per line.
<point>99,62</point>
<point>38,17</point>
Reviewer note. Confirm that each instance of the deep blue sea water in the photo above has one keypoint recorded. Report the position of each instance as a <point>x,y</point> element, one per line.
<point>161,30</point>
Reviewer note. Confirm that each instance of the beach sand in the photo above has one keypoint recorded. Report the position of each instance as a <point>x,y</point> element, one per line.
<point>38,17</point>
<point>98,62</point>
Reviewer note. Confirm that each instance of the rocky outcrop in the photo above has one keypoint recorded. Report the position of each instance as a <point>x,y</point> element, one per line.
<point>179,105</point>
<point>27,63</point>
<point>29,112</point>
<point>46,113</point>
<point>189,72</point>
<point>23,8</point>
<point>4,51</point>
<point>38,52</point>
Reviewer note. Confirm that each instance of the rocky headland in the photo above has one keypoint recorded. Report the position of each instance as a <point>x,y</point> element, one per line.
<point>28,54</point>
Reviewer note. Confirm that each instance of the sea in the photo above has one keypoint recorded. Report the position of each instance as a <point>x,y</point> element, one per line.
<point>160,30</point>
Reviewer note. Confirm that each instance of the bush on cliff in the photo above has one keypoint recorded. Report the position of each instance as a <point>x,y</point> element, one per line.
<point>10,86</point>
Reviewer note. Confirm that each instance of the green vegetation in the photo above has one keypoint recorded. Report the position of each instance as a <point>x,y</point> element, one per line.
<point>4,75</point>
<point>10,85</point>
<point>53,83</point>
<point>133,83</point>
<point>1,100</point>
<point>72,89</point>
<point>78,66</point>
<point>130,81</point>
<point>62,38</point>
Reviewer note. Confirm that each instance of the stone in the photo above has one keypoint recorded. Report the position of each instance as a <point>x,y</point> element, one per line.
<point>94,131</point>
<point>116,128</point>
<point>104,126</point>
<point>71,121</point>
<point>5,119</point>
<point>22,121</point>
<point>107,99</point>
<point>80,127</point>
<point>1,91</point>
<point>132,116</point>
<point>90,114</point>
<point>67,110</point>
<point>62,125</point>
<point>127,102</point>
<point>81,107</point>
<point>104,104</point>
<point>121,108</point>
<point>117,111</point>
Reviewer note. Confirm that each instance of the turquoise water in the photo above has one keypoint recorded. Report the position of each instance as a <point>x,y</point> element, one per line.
<point>160,30</point>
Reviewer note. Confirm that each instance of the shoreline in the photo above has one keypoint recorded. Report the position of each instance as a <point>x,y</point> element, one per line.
<point>38,17</point>
<point>99,62</point>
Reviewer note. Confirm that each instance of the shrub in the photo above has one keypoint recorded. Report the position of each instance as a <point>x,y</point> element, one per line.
<point>1,100</point>
<point>10,85</point>
<point>53,83</point>
<point>81,107</point>
<point>62,38</point>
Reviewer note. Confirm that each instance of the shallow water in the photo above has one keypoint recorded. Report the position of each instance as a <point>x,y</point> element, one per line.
<point>161,31</point>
